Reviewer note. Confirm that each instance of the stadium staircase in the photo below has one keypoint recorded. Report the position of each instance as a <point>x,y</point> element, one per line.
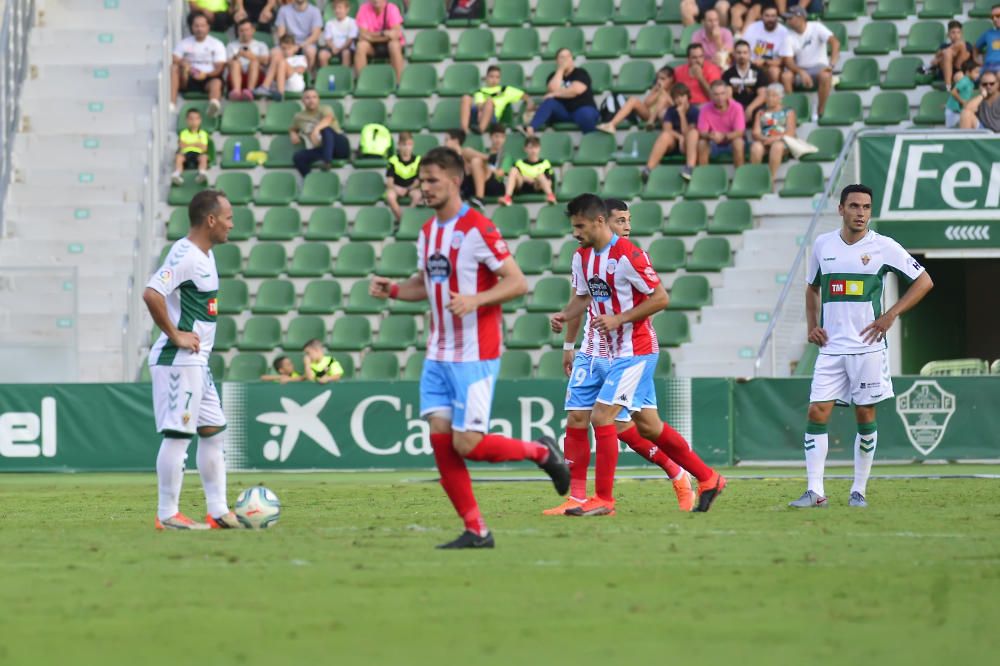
<point>722,243</point>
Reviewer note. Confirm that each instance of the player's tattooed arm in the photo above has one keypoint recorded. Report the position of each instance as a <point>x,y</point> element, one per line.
<point>157,306</point>
<point>814,302</point>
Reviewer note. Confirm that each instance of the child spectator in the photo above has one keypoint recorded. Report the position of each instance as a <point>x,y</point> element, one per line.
<point>320,368</point>
<point>530,175</point>
<point>475,166</point>
<point>286,72</point>
<point>488,104</point>
<point>303,22</point>
<point>649,109</point>
<point>401,175</point>
<point>961,92</point>
<point>340,35</point>
<point>192,150</point>
<point>286,372</point>
<point>679,121</point>
<point>951,55</point>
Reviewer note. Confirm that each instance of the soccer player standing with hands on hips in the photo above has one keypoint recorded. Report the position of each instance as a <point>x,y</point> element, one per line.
<point>844,318</point>
<point>615,281</point>
<point>182,297</point>
<point>466,273</point>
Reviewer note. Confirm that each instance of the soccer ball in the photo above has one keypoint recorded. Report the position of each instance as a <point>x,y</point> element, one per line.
<point>257,508</point>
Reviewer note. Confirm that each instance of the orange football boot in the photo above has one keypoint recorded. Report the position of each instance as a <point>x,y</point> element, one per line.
<point>570,503</point>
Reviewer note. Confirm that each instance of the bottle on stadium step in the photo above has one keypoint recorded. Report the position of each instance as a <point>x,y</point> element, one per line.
<point>238,152</point>
<point>331,83</point>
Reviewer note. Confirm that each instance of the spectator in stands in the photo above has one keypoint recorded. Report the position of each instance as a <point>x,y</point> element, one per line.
<point>198,62</point>
<point>690,9</point>
<point>286,71</point>
<point>988,44</point>
<point>285,370</point>
<point>487,105</point>
<point>246,58</point>
<point>340,35</point>
<point>401,175</point>
<point>530,175</point>
<point>570,97</point>
<point>742,13</point>
<point>679,122</point>
<point>952,54</point>
<point>697,74</point>
<point>984,111</point>
<point>315,128</point>
<point>770,128</point>
<point>475,166</point>
<point>381,26</point>
<point>746,79</point>
<point>961,92</point>
<point>807,62</point>
<point>650,108</point>
<point>260,12</point>
<point>216,11</point>
<point>716,40</point>
<point>495,163</point>
<point>303,22</point>
<point>721,126</point>
<point>768,41</point>
<point>192,150</point>
<point>320,367</point>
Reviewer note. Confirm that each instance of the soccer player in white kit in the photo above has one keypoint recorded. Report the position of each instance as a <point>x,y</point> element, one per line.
<point>844,318</point>
<point>182,297</point>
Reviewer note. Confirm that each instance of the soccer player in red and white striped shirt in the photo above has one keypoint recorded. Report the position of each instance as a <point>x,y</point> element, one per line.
<point>621,290</point>
<point>466,273</point>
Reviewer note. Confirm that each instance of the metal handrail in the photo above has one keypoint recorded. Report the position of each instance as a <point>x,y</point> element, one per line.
<point>18,19</point>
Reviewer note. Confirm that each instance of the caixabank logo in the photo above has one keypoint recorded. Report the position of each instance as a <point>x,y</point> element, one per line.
<point>925,410</point>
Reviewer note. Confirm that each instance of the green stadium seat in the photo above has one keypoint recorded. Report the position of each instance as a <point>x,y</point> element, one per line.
<point>265,260</point>
<point>635,77</point>
<point>321,297</point>
<point>690,292</point>
<point>955,368</point>
<point>359,301</point>
<point>246,368</point>
<point>842,108</point>
<point>995,367</point>
<point>519,44</point>
<point>622,182</point>
<point>181,195</point>
<point>636,147</point>
<point>903,74</point>
<point>301,330</point>
<point>412,222</point>
<point>379,366</point>
<point>980,9</point>
<point>510,13</point>
<point>326,224</point>
<point>665,182</point>
<point>973,29</point>
<point>600,76</point>
<point>515,364</point>
<point>248,144</point>
<point>844,10</point>
<point>234,297</point>
<point>178,225</point>
<point>552,12</point>
<point>610,41</point>
<point>652,42</point>
<point>859,74</point>
<point>372,223</point>
<point>279,116</point>
<point>549,295</point>
<point>557,147</point>
<point>686,218</point>
<point>355,259</point>
<point>680,46</point>
<point>280,152</point>
<point>363,112</point>
<point>430,46</point>
<point>512,74</point>
<point>512,221</point>
<point>376,80</point>
<point>424,143</point>
<point>564,38</point>
<point>888,108</point>
<point>647,218</point>
<point>924,38</point>
<point>672,328</point>
<point>750,181</point>
<point>550,365</point>
<point>592,12</point>
<point>563,261</point>
<point>803,180</point>
<point>280,224</point>
<point>635,12</point>
<point>708,181</point>
<point>244,224</point>
<point>539,78</point>
<point>274,297</point>
<point>830,142</point>
<point>208,123</point>
<point>408,115</point>
<point>664,365</point>
<point>476,45</point>
<point>894,9</point>
<point>446,115</point>
<point>398,260</point>
<point>839,31</point>
<point>799,103</point>
<point>310,260</point>
<point>533,256</point>
<point>425,14</point>
<point>594,149</point>
<point>414,366</point>
<point>260,334</point>
<point>931,110</point>
<point>225,333</point>
<point>667,254</point>
<point>320,188</point>
<point>576,181</point>
<point>343,81</point>
<point>551,223</point>
<point>514,304</point>
<point>350,333</point>
<point>346,362</point>
<point>731,217</point>
<point>238,187</point>
<point>459,79</point>
<point>530,332</point>
<point>710,255</point>
<point>418,80</point>
<point>228,259</point>
<point>216,366</point>
<point>363,188</point>
<point>397,332</point>
<point>877,38</point>
<point>240,118</point>
<point>276,189</point>
<point>669,12</point>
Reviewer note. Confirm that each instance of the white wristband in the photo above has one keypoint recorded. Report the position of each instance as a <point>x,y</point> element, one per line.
<point>569,346</point>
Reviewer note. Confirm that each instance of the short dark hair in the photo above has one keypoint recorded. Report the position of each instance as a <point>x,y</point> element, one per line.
<point>768,5</point>
<point>278,361</point>
<point>287,38</point>
<point>615,204</point>
<point>741,42</point>
<point>718,83</point>
<point>498,128</point>
<point>456,134</point>
<point>565,48</point>
<point>954,24</point>
<point>693,47</point>
<point>203,204</point>
<point>238,24</point>
<point>590,206</point>
<point>193,15</point>
<point>444,158</point>
<point>195,109</point>
<point>680,89</point>
<point>315,342</point>
<point>851,189</point>
<point>532,141</point>
<point>493,68</point>
<point>969,65</point>
<point>666,69</point>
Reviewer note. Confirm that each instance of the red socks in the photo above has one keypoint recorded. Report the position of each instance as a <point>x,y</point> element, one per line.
<point>456,482</point>
<point>607,461</point>
<point>649,451</point>
<point>680,451</point>
<point>497,448</point>
<point>577,448</point>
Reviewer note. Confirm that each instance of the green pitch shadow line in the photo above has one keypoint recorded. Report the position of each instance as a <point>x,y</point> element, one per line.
<point>733,477</point>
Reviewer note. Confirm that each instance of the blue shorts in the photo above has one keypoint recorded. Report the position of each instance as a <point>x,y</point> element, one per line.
<point>461,392</point>
<point>585,381</point>
<point>474,114</point>
<point>630,383</point>
<point>719,149</point>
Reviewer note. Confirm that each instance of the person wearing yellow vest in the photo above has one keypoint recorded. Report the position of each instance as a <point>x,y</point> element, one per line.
<point>192,150</point>
<point>286,372</point>
<point>530,175</point>
<point>319,367</point>
<point>216,11</point>
<point>488,104</point>
<point>401,175</point>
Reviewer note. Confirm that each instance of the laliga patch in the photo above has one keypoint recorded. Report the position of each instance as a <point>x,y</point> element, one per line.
<point>438,268</point>
<point>599,289</point>
<point>165,276</point>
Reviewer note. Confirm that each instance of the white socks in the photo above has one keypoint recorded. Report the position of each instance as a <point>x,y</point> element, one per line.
<point>864,455</point>
<point>212,468</point>
<point>170,475</point>
<point>816,444</point>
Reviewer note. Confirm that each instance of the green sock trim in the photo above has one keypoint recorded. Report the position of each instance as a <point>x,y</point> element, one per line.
<point>867,428</point>
<point>815,428</point>
<point>177,434</point>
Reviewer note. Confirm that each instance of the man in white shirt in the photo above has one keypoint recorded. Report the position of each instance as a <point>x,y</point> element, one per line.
<point>247,57</point>
<point>807,63</point>
<point>768,42</point>
<point>198,64</point>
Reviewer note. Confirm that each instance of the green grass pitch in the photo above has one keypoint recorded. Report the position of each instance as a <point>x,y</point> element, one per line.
<point>350,576</point>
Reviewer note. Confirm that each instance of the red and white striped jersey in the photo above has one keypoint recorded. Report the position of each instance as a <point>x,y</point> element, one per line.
<point>460,255</point>
<point>618,278</point>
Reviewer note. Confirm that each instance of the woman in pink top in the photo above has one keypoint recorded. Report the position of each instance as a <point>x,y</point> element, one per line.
<point>380,27</point>
<point>716,40</point>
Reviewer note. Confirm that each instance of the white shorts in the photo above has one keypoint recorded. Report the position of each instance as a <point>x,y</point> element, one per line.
<point>185,399</point>
<point>859,378</point>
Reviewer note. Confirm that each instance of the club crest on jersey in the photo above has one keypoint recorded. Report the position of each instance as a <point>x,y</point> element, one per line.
<point>213,307</point>
<point>438,267</point>
<point>599,289</point>
<point>612,265</point>
<point>165,276</point>
<point>456,239</point>
<point>865,258</point>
